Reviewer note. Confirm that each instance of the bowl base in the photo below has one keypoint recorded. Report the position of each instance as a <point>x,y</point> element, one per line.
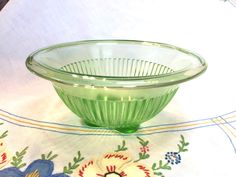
<point>128,130</point>
<point>90,124</point>
<point>125,130</point>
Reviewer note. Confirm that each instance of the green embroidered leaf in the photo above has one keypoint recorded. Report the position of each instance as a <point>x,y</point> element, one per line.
<point>140,155</point>
<point>76,162</point>
<point>69,165</point>
<point>143,154</point>
<point>160,163</point>
<point>22,165</point>
<point>77,165</point>
<point>17,159</point>
<point>157,169</point>
<point>167,167</point>
<point>3,135</point>
<point>164,167</point>
<point>158,174</point>
<point>121,147</point>
<point>179,146</point>
<point>53,157</point>
<point>143,142</point>
<point>43,157</point>
<point>49,156</point>
<point>182,146</point>
<point>67,170</point>
<point>154,166</point>
<point>146,156</point>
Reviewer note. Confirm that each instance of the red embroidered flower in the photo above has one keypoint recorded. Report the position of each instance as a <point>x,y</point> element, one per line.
<point>144,149</point>
<point>4,154</point>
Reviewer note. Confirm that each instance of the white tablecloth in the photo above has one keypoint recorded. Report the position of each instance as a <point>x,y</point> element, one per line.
<point>202,110</point>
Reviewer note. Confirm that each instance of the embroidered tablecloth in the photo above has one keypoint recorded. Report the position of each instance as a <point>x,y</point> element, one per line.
<point>195,135</point>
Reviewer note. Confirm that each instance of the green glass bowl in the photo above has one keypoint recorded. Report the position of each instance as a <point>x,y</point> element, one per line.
<point>116,84</point>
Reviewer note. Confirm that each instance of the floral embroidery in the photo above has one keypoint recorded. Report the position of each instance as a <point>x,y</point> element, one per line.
<point>38,168</point>
<point>4,154</point>
<point>144,149</point>
<point>115,164</point>
<point>4,158</point>
<point>121,147</point>
<point>173,157</point>
<point>33,174</point>
<point>17,160</point>
<point>72,166</point>
<point>2,145</point>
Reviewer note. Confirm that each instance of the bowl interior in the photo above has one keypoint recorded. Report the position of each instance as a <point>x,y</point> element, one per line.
<point>117,67</point>
<point>141,63</point>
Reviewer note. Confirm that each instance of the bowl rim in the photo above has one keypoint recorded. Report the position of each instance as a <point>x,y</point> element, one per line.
<point>71,78</point>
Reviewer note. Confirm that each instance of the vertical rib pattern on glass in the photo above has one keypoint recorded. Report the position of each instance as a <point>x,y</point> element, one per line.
<point>117,112</point>
<point>117,67</point>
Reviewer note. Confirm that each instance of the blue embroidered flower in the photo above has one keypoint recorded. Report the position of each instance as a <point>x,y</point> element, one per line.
<point>38,168</point>
<point>173,157</point>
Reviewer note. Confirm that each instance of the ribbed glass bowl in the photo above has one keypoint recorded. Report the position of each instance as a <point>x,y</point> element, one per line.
<point>116,84</point>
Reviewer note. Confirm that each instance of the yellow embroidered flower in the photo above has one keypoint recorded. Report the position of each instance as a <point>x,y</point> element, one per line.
<point>4,154</point>
<point>116,164</point>
<point>33,174</point>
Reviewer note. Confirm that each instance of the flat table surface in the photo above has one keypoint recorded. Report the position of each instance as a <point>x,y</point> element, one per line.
<point>196,132</point>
